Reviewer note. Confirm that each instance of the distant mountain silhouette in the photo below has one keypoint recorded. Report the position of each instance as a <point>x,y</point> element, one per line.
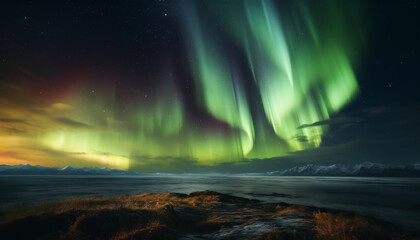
<point>366,169</point>
<point>27,169</point>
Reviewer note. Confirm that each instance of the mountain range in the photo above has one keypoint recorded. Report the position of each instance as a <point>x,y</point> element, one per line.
<point>27,169</point>
<point>366,169</point>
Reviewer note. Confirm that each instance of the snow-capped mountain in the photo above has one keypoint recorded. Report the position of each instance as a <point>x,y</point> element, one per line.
<point>366,169</point>
<point>27,169</point>
<point>363,169</point>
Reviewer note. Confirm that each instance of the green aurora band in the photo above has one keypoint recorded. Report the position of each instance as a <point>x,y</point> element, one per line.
<point>295,67</point>
<point>303,71</point>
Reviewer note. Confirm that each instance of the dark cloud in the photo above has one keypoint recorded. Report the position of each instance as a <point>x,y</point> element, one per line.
<point>300,138</point>
<point>11,120</point>
<point>14,130</point>
<point>332,121</point>
<point>71,123</point>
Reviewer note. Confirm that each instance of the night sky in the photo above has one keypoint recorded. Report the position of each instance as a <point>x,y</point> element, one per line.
<point>209,86</point>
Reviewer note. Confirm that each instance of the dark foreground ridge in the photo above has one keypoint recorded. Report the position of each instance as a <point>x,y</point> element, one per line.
<point>199,215</point>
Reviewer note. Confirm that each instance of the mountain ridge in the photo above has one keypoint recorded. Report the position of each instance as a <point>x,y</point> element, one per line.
<point>365,169</point>
<point>27,169</point>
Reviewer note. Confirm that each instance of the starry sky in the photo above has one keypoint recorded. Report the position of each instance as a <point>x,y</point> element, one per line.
<point>209,86</point>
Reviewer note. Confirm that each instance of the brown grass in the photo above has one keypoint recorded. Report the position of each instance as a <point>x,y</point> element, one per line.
<point>142,216</point>
<point>145,201</point>
<point>282,210</point>
<point>284,235</point>
<point>345,226</point>
<point>170,215</point>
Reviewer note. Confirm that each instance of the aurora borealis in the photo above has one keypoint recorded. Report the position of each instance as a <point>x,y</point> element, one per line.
<point>208,82</point>
<point>300,80</point>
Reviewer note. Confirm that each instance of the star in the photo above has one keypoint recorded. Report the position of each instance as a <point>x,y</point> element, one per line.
<point>166,14</point>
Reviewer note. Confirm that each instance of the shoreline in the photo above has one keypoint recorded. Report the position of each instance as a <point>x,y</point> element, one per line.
<point>198,215</point>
